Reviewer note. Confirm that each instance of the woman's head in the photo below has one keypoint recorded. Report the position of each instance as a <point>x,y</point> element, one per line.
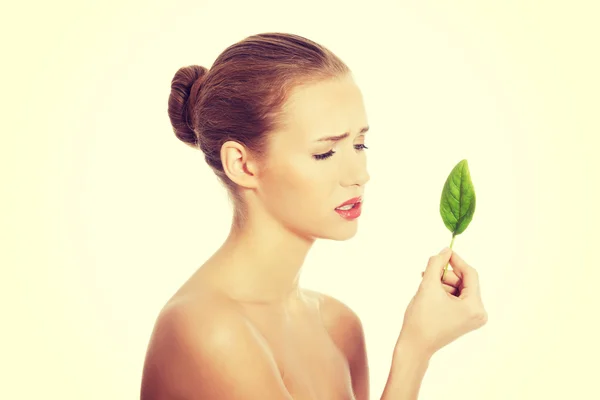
<point>258,115</point>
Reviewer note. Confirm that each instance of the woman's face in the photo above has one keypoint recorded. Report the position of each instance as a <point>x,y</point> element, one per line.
<point>308,176</point>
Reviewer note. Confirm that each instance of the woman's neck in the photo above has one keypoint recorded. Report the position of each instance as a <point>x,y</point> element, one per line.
<point>260,261</point>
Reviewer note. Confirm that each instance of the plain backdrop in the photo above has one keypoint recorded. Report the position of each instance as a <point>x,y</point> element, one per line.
<point>105,213</point>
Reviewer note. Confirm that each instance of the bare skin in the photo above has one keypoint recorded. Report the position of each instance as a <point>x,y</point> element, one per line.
<point>304,348</point>
<point>241,327</point>
<point>312,347</point>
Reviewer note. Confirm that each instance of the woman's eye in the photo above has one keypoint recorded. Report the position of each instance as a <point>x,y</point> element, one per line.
<point>324,155</point>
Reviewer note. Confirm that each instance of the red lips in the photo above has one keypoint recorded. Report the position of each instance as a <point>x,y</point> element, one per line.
<point>351,201</point>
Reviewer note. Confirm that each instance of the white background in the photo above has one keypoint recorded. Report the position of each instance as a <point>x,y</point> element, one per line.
<point>105,213</point>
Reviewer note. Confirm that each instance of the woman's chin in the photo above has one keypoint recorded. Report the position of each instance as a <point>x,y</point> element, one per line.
<point>338,230</point>
<point>343,233</point>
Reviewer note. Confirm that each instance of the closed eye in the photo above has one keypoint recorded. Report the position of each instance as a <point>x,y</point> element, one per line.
<point>323,156</point>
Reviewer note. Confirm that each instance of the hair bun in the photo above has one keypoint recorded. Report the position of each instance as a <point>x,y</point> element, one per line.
<point>184,92</point>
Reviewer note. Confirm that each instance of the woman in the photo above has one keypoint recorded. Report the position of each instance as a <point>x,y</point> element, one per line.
<point>281,122</point>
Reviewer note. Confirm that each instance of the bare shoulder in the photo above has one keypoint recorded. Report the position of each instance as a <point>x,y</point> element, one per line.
<point>342,323</point>
<point>346,331</point>
<point>204,348</point>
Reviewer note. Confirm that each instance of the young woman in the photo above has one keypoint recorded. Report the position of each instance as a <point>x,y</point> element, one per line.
<point>282,124</point>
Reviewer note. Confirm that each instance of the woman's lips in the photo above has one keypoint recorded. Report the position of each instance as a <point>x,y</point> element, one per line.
<point>351,201</point>
<point>353,212</point>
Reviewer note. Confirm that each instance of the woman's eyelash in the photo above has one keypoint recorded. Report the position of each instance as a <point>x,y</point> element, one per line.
<point>331,152</point>
<point>324,155</point>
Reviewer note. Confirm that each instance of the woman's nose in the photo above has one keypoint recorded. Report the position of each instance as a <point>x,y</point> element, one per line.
<point>356,173</point>
<point>363,177</point>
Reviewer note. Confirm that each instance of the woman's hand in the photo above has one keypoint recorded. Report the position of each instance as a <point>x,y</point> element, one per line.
<point>442,311</point>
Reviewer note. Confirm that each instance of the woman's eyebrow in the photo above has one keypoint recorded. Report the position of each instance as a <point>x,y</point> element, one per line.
<point>340,137</point>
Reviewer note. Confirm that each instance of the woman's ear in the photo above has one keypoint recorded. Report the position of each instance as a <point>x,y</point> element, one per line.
<point>238,165</point>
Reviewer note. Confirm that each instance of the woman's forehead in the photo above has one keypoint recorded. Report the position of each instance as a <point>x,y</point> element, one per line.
<point>324,108</point>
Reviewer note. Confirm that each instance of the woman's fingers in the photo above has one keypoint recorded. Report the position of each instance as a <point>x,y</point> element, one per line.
<point>467,274</point>
<point>450,289</point>
<point>435,265</point>
<point>450,278</point>
<point>451,282</point>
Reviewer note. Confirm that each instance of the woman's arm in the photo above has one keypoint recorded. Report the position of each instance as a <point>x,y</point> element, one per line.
<point>406,374</point>
<point>442,310</point>
<point>408,364</point>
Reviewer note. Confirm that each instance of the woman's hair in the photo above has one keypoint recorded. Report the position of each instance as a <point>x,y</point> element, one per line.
<point>241,97</point>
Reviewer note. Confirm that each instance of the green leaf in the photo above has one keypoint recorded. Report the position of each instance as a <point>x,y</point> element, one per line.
<point>457,204</point>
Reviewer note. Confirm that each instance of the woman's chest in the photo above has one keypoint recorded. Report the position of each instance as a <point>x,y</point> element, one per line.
<point>311,365</point>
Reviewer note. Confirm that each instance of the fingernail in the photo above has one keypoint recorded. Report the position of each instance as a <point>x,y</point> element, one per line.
<point>445,249</point>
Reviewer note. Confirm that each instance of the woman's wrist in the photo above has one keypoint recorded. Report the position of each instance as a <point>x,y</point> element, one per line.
<point>407,349</point>
<point>409,364</point>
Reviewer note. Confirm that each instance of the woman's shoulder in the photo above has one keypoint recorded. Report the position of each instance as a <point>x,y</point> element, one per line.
<point>201,317</point>
<point>345,329</point>
<point>206,330</point>
<point>334,311</point>
<point>341,321</point>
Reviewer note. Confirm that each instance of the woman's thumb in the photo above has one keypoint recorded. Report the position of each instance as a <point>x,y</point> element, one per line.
<point>436,264</point>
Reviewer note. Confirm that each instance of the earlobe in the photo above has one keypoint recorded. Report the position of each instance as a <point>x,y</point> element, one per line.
<point>237,165</point>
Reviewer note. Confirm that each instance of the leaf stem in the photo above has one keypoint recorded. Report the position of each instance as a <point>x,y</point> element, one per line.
<point>446,267</point>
